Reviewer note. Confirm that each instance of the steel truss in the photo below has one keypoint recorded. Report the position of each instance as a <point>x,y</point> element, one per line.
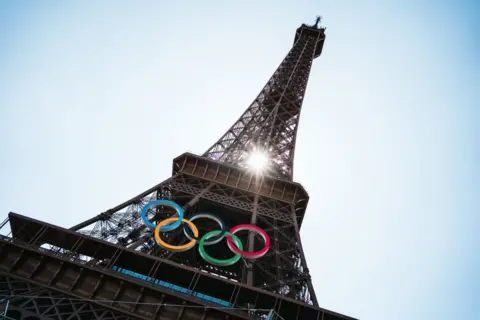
<point>85,275</point>
<point>29,301</point>
<point>271,121</point>
<point>237,196</point>
<point>67,274</point>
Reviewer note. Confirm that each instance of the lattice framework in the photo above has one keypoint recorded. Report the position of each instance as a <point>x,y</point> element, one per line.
<point>282,270</point>
<point>271,121</point>
<point>83,271</point>
<point>270,124</point>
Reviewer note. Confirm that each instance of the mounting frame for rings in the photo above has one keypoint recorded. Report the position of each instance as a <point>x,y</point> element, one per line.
<point>191,232</point>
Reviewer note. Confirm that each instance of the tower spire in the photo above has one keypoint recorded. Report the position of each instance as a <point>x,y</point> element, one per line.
<point>269,125</point>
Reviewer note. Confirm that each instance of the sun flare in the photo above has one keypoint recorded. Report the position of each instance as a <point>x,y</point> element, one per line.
<point>257,161</point>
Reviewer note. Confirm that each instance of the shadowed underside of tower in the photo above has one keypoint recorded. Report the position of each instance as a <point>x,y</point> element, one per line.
<point>115,257</point>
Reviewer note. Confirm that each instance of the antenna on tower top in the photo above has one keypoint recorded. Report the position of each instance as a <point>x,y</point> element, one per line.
<point>317,21</point>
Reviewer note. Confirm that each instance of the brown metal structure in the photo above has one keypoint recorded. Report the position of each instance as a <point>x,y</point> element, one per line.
<point>109,267</point>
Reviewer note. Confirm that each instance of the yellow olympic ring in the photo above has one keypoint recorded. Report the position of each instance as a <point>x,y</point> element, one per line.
<point>183,247</point>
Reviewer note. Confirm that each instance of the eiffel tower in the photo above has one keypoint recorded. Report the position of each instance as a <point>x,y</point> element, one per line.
<point>121,264</point>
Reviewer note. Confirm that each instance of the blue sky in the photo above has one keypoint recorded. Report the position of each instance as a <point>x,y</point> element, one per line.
<point>96,99</point>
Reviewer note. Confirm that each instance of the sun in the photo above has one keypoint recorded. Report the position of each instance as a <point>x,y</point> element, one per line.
<point>257,161</point>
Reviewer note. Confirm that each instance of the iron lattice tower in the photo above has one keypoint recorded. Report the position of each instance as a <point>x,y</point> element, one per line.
<point>51,270</point>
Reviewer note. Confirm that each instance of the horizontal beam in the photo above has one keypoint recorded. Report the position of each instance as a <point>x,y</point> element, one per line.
<point>233,178</point>
<point>128,295</point>
<point>23,254</point>
<point>238,178</point>
<point>36,302</point>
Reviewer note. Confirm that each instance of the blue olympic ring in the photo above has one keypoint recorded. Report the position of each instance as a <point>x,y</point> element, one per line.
<point>166,203</point>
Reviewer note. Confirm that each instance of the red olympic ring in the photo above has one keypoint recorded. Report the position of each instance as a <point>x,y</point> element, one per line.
<point>247,254</point>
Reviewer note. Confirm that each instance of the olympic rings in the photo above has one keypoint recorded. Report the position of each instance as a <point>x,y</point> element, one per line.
<point>191,232</point>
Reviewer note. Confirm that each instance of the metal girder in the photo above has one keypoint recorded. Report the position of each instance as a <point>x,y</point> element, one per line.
<point>83,272</point>
<point>269,189</point>
<point>218,181</point>
<point>271,121</point>
<point>138,297</point>
<point>29,301</point>
<point>230,193</point>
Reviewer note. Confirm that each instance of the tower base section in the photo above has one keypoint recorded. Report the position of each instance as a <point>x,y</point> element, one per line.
<point>56,273</point>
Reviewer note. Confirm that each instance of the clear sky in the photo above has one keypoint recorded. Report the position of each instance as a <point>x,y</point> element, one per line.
<point>98,97</point>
